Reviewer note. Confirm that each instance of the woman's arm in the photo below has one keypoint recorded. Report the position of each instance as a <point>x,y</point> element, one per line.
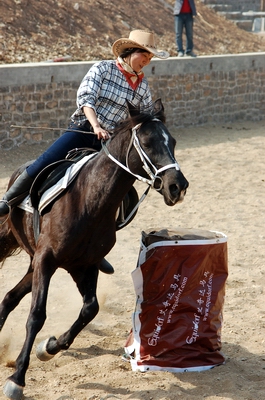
<point>92,118</point>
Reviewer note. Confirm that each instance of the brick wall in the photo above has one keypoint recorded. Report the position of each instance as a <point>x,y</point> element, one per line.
<point>35,105</point>
<point>206,90</point>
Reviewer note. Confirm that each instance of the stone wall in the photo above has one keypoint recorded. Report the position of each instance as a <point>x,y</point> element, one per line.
<point>240,5</point>
<point>38,99</point>
<point>235,10</point>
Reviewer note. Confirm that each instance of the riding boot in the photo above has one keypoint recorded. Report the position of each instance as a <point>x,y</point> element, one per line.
<point>16,193</point>
<point>106,267</point>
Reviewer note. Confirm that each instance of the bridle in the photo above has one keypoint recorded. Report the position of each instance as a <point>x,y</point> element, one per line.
<point>155,180</point>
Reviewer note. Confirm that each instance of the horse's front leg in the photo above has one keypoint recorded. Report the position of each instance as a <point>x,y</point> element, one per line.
<point>13,388</point>
<point>15,295</point>
<point>86,282</point>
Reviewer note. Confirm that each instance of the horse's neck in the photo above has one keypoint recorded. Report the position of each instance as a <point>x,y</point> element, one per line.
<point>116,178</point>
<point>105,175</point>
<point>119,145</point>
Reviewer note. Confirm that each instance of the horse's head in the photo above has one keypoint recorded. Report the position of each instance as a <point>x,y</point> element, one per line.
<point>155,147</point>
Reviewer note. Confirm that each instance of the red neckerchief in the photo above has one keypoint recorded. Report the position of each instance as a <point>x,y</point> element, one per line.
<point>133,79</point>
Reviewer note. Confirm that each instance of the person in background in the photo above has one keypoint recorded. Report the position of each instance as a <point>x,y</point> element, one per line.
<point>184,12</point>
<point>101,104</point>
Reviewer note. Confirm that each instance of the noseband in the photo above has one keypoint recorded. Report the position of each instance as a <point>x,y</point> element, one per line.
<point>155,180</point>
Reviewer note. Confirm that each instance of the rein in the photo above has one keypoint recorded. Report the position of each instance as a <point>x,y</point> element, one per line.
<point>155,181</point>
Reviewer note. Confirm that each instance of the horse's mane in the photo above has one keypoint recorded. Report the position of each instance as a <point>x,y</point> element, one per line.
<point>138,118</point>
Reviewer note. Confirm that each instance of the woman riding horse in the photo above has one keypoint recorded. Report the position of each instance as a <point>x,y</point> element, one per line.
<point>101,104</point>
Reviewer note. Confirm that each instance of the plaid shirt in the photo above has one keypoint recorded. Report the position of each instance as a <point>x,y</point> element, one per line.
<point>105,89</point>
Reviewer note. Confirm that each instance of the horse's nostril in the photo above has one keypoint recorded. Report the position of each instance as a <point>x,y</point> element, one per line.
<point>174,189</point>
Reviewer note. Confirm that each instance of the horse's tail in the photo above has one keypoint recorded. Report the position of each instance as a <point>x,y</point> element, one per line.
<point>8,243</point>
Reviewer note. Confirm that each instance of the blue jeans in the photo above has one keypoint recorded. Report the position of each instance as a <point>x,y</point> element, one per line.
<point>181,21</point>
<point>58,150</point>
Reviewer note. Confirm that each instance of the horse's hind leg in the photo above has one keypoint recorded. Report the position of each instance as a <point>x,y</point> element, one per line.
<point>86,283</point>
<point>14,296</point>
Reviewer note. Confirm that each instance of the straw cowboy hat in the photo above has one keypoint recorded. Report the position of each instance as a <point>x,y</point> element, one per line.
<point>138,39</point>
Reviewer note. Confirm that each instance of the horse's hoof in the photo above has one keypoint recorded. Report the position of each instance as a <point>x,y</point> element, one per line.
<point>13,391</point>
<point>41,351</point>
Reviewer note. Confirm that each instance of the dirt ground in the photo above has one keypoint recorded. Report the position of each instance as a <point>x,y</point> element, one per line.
<point>225,168</point>
<point>80,30</point>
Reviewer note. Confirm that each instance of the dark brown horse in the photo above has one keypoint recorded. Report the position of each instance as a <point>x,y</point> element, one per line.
<point>79,228</point>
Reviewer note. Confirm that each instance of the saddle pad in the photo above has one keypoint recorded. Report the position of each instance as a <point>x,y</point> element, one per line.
<point>56,189</point>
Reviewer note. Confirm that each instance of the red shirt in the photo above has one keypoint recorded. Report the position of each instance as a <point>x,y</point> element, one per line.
<point>186,8</point>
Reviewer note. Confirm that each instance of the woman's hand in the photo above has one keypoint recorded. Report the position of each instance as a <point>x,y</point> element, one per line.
<point>101,133</point>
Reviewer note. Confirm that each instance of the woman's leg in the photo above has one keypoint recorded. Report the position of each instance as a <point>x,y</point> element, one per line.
<point>71,139</point>
<point>59,149</point>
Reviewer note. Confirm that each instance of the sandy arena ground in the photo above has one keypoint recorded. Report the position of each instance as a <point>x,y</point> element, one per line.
<point>225,168</point>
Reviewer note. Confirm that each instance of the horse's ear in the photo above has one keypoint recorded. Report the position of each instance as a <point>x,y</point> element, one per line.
<point>133,111</point>
<point>158,110</point>
<point>158,107</point>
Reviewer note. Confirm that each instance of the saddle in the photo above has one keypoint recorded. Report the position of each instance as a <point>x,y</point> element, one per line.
<point>51,174</point>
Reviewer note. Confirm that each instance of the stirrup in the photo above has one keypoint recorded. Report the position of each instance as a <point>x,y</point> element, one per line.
<point>6,215</point>
<point>106,267</point>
